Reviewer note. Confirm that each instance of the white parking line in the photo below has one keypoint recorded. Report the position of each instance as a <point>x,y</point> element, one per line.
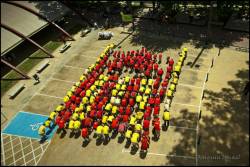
<point>186,104</point>
<point>62,80</point>
<point>49,96</point>
<point>159,154</point>
<point>181,127</point>
<point>75,67</point>
<point>2,147</point>
<point>188,69</point>
<point>187,85</point>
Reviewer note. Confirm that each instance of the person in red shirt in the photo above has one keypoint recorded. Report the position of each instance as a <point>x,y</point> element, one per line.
<point>136,67</point>
<point>128,110</point>
<point>133,94</point>
<point>147,115</point>
<point>154,92</point>
<point>87,122</point>
<point>160,72</point>
<point>156,84</point>
<point>114,126</point>
<point>99,114</point>
<point>138,81</point>
<point>85,134</point>
<point>132,81</point>
<point>92,114</point>
<point>151,100</point>
<point>156,110</point>
<point>131,102</point>
<point>78,91</point>
<point>160,58</point>
<point>121,110</point>
<point>164,84</point>
<point>169,69</point>
<point>73,98</point>
<point>171,62</point>
<point>130,88</point>
<point>61,126</point>
<point>125,118</point>
<point>148,73</point>
<point>82,94</point>
<point>95,124</point>
<point>156,128</point>
<point>124,102</point>
<point>67,104</point>
<point>157,100</point>
<point>136,88</point>
<point>78,100</point>
<point>146,124</point>
<point>67,115</point>
<point>162,93</point>
<point>145,141</point>
<point>168,76</point>
<point>72,107</point>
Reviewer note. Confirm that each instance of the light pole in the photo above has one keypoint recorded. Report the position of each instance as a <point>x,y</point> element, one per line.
<point>213,4</point>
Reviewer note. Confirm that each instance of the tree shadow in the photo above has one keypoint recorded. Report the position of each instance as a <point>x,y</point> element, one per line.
<point>162,36</point>
<point>223,137</point>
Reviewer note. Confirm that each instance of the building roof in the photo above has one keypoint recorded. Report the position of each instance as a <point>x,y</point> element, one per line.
<point>26,22</point>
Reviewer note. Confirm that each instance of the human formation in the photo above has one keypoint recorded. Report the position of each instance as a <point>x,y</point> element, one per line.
<point>120,94</point>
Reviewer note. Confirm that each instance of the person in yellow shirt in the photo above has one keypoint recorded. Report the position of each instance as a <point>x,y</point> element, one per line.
<point>121,93</point>
<point>175,80</point>
<point>127,79</point>
<point>118,86</point>
<point>105,132</point>
<point>47,123</point>
<point>147,91</point>
<point>88,108</point>
<point>82,78</point>
<point>101,83</point>
<point>150,82</point>
<point>101,77</point>
<point>128,134</point>
<point>172,87</point>
<point>104,119</point>
<point>123,87</point>
<point>139,115</point>
<point>170,94</point>
<point>88,93</point>
<point>142,105</point>
<point>106,78</point>
<point>77,125</point>
<point>41,132</point>
<point>135,139</point>
<point>138,98</point>
<point>145,99</point>
<point>52,115</point>
<point>82,116</point>
<point>108,107</point>
<point>85,100</point>
<point>142,89</point>
<point>132,120</point>
<point>166,118</point>
<point>138,128</point>
<point>93,88</point>
<point>114,110</point>
<point>110,119</point>
<point>143,82</point>
<point>98,131</point>
<point>71,125</point>
<point>92,99</point>
<point>75,116</point>
<point>66,99</point>
<point>114,92</point>
<point>60,108</point>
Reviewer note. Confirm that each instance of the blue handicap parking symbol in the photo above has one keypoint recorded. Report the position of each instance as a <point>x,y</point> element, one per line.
<point>26,124</point>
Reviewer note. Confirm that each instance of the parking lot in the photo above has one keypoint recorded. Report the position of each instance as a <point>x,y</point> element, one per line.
<point>185,110</point>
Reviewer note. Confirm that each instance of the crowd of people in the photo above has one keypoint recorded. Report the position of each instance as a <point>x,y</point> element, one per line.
<point>108,102</point>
